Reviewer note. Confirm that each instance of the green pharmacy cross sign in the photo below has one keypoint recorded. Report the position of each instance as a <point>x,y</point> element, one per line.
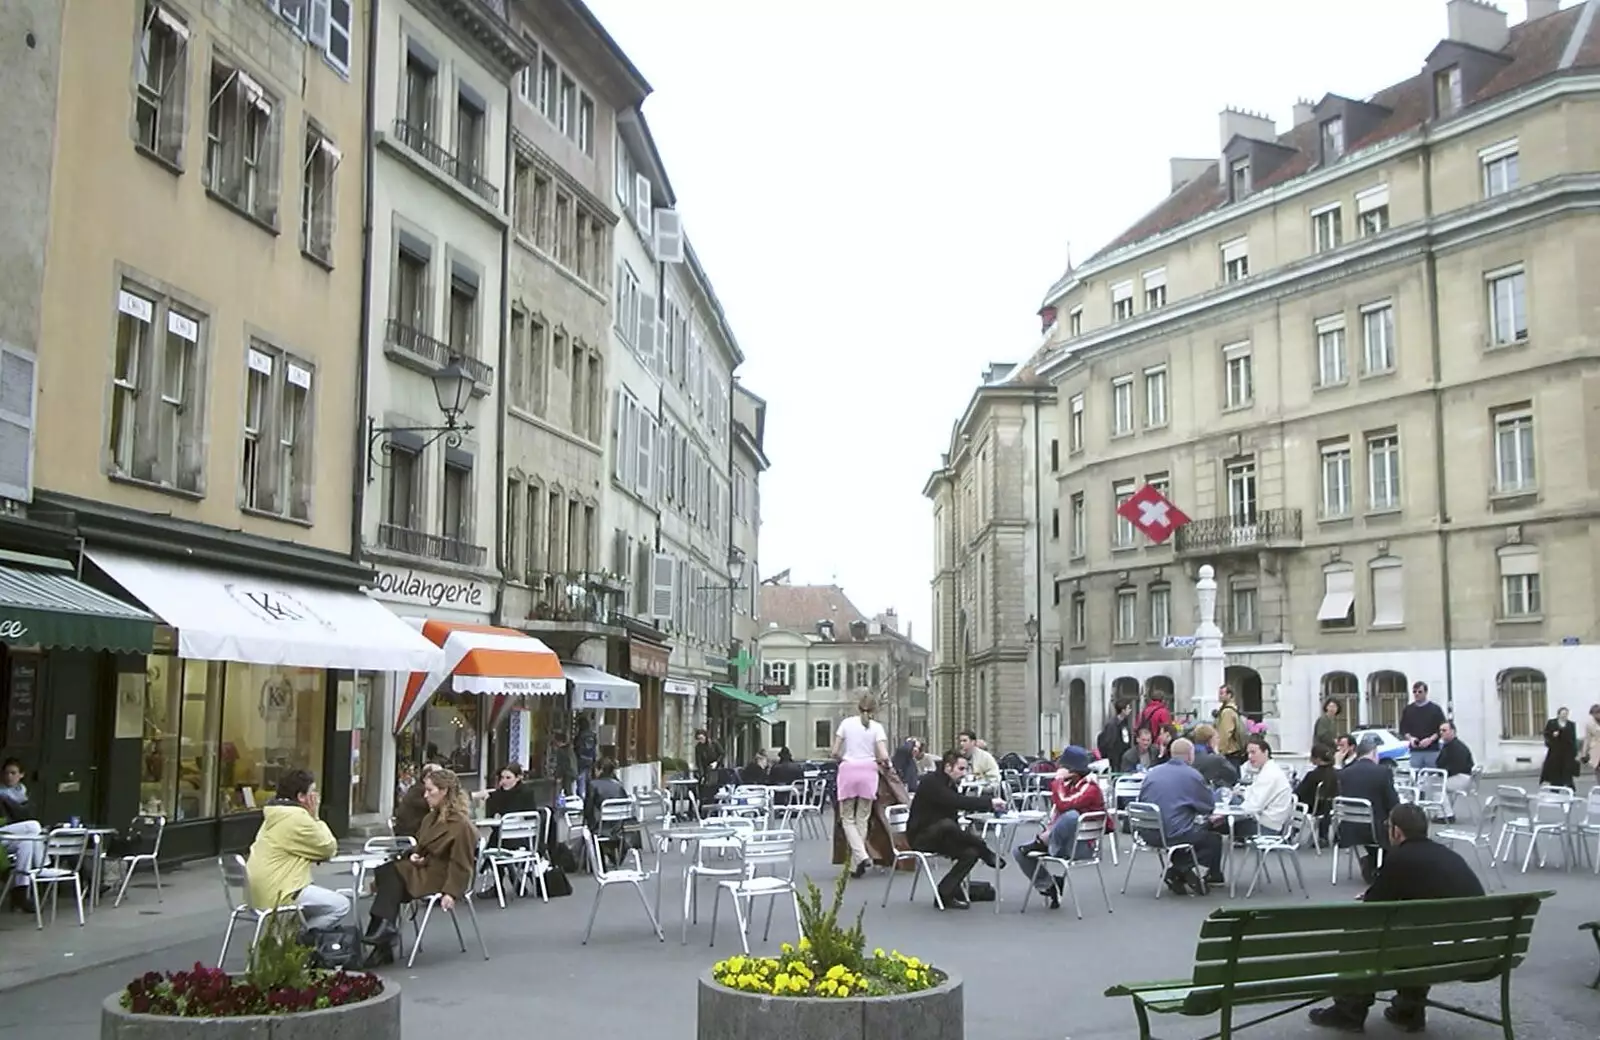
<point>743,660</point>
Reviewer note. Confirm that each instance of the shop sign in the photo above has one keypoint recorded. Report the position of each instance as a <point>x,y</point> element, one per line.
<point>407,585</point>
<point>716,663</point>
<point>12,630</point>
<point>644,659</point>
<point>678,687</point>
<point>774,689</point>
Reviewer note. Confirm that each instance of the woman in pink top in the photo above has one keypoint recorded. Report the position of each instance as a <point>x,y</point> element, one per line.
<point>861,746</point>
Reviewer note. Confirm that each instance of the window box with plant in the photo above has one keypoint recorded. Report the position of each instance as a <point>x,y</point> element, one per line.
<point>800,992</point>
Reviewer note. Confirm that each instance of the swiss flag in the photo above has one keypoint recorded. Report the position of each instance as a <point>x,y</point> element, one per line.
<point>1151,512</point>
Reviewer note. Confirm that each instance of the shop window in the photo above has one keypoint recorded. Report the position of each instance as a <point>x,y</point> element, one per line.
<point>450,731</point>
<point>272,722</point>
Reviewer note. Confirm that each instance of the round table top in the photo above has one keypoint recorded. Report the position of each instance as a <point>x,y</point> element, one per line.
<point>696,833</point>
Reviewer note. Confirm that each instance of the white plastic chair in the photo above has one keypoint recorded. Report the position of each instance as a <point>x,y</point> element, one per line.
<point>142,827</point>
<point>773,850</point>
<point>65,852</point>
<point>1480,837</point>
<point>1144,822</point>
<point>1356,812</point>
<point>635,876</point>
<point>1091,832</point>
<point>434,900</point>
<point>741,826</point>
<point>1286,847</point>
<point>236,890</point>
<point>898,816</point>
<point>522,858</point>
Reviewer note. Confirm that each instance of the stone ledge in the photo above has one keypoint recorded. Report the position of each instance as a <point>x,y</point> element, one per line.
<point>933,1014</point>
<point>375,1019</point>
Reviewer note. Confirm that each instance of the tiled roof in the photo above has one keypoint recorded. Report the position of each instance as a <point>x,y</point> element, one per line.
<point>800,607</point>
<point>1535,50</point>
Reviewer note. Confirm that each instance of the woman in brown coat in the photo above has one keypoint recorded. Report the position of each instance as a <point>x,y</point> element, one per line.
<point>441,863</point>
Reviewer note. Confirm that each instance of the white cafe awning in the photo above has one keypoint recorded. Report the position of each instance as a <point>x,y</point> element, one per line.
<point>232,616</point>
<point>594,689</point>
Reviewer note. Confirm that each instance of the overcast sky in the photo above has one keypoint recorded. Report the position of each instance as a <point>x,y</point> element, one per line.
<point>882,190</point>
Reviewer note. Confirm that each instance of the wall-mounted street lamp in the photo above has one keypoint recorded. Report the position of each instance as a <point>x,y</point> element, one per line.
<point>735,574</point>
<point>452,387</point>
<point>1031,628</point>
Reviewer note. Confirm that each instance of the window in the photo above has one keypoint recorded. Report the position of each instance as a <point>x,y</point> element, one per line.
<point>1122,301</point>
<point>1125,531</point>
<point>586,125</point>
<point>410,292</point>
<point>577,420</point>
<point>1508,307</point>
<point>1079,519</point>
<point>275,457</point>
<point>1155,288</point>
<point>1447,90</point>
<point>239,158</point>
<point>1155,397</point>
<point>1377,338</point>
<point>1160,611</point>
<point>566,108</point>
<point>596,390</point>
<point>161,82</point>
<point>455,515</point>
<point>1388,695</point>
<point>1388,592</point>
<point>1055,524</point>
<point>1372,211</point>
<point>1075,322</point>
<point>1335,479</point>
<point>821,676</point>
<point>338,45</point>
<point>1524,705</point>
<point>1338,607</point>
<point>776,673</point>
<point>317,198</point>
<point>1236,260</point>
<point>1331,369</point>
<point>1344,690</point>
<point>1520,594</point>
<point>1332,139</point>
<point>513,535</point>
<point>1383,471</point>
<point>158,398</point>
<point>545,88</point>
<point>1122,406</point>
<point>627,308</point>
<point>1327,229</point>
<point>469,137</point>
<point>1080,620</point>
<point>463,316</point>
<point>1499,168</point>
<point>823,737</point>
<point>537,378</point>
<point>1055,455</point>
<point>1127,615</point>
<point>780,734</point>
<point>1238,179</point>
<point>418,101</point>
<point>1241,478</point>
<point>1239,379</point>
<point>1243,618</point>
<point>1514,452</point>
<point>1075,424</point>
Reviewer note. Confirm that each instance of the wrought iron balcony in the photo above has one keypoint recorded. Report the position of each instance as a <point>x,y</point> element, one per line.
<point>431,546</point>
<point>433,354</point>
<point>418,140</point>
<point>592,597</point>
<point>1267,529</point>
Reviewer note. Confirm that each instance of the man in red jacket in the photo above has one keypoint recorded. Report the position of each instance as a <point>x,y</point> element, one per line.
<point>1073,793</point>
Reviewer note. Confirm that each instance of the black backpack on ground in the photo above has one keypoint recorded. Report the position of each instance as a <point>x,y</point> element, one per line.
<point>337,946</point>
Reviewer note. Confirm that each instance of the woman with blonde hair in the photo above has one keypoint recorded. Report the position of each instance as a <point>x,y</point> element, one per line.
<point>862,749</point>
<point>441,862</point>
<point>1591,740</point>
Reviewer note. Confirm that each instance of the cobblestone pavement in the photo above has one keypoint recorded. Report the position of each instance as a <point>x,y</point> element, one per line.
<point>1039,975</point>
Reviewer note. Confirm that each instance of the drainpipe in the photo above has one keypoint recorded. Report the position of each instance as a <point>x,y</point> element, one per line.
<point>503,355</point>
<point>1038,581</point>
<point>359,472</point>
<point>1430,280</point>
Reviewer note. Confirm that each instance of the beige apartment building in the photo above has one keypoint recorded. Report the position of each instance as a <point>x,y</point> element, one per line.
<point>996,644</point>
<point>1361,355</point>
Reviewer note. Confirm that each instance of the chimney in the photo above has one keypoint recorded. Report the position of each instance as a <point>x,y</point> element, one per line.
<point>891,620</point>
<point>1253,126</point>
<point>1186,170</point>
<point>1538,9</point>
<point>1304,112</point>
<point>1477,23</point>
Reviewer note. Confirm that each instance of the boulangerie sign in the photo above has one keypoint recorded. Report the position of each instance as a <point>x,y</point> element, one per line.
<point>407,585</point>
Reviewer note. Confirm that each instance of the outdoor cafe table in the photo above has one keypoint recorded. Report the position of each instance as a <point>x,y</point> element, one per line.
<point>686,835</point>
<point>1005,825</point>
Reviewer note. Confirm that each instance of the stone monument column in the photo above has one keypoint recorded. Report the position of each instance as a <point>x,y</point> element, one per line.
<point>1206,670</point>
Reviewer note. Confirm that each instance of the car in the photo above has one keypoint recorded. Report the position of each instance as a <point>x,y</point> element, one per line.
<point>1393,750</point>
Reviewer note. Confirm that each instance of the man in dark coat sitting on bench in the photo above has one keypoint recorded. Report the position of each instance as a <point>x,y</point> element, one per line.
<point>1415,868</point>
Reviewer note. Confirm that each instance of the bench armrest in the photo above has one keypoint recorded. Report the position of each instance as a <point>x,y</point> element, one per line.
<point>1133,989</point>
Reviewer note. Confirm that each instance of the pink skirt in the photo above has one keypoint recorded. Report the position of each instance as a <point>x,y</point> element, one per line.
<point>858,779</point>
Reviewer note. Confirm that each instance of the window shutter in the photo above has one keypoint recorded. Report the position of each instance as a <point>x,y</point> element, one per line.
<point>811,676</point>
<point>641,202</point>
<point>669,236</point>
<point>661,587</point>
<point>18,391</point>
<point>317,23</point>
<point>874,676</point>
<point>645,341</point>
<point>645,435</point>
<point>663,464</point>
<point>619,550</point>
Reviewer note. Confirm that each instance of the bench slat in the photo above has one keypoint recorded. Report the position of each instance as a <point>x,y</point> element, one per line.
<point>1342,916</point>
<point>1253,946</point>
<point>1368,964</point>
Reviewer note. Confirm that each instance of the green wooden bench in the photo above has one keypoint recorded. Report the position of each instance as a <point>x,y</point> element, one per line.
<point>1593,928</point>
<point>1305,954</point>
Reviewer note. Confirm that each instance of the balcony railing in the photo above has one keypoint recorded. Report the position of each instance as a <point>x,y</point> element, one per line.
<point>593,597</point>
<point>416,138</point>
<point>433,353</point>
<point>1267,529</point>
<point>431,546</point>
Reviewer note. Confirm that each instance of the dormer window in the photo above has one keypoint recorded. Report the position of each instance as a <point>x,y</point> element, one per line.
<point>1332,139</point>
<point>1238,179</point>
<point>1447,91</point>
<point>1075,322</point>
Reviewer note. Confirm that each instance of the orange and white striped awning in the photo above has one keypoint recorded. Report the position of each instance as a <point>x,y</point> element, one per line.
<point>482,659</point>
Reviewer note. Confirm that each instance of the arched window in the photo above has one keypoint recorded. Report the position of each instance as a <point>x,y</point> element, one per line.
<point>1125,690</point>
<point>1345,690</point>
<point>1162,684</point>
<point>1386,699</point>
<point>1523,703</point>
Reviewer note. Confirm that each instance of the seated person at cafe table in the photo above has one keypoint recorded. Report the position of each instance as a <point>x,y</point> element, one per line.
<point>18,823</point>
<point>1187,805</point>
<point>1143,755</point>
<point>412,807</point>
<point>291,840</point>
<point>1073,792</point>
<point>1268,801</point>
<point>932,826</point>
<point>439,864</point>
<point>604,787</point>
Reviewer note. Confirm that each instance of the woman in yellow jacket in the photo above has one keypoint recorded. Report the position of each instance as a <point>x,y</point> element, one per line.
<point>441,863</point>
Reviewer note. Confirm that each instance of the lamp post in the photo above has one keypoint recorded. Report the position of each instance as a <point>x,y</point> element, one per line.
<point>452,389</point>
<point>1031,629</point>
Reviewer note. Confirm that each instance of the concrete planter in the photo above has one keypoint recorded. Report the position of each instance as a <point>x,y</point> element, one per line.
<point>375,1019</point>
<point>932,1014</point>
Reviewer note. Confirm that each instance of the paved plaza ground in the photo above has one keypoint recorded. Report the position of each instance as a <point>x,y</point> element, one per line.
<point>1027,977</point>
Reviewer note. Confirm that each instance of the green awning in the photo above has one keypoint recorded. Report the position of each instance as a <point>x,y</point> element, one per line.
<point>755,700</point>
<point>50,608</point>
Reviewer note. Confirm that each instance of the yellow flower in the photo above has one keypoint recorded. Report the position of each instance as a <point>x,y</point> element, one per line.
<point>782,980</point>
<point>787,949</point>
<point>805,944</point>
<point>835,971</point>
<point>844,991</point>
<point>911,975</point>
<point>878,952</point>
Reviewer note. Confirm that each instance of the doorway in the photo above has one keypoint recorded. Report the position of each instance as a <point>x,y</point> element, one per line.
<point>69,731</point>
<point>1078,713</point>
<point>1246,686</point>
